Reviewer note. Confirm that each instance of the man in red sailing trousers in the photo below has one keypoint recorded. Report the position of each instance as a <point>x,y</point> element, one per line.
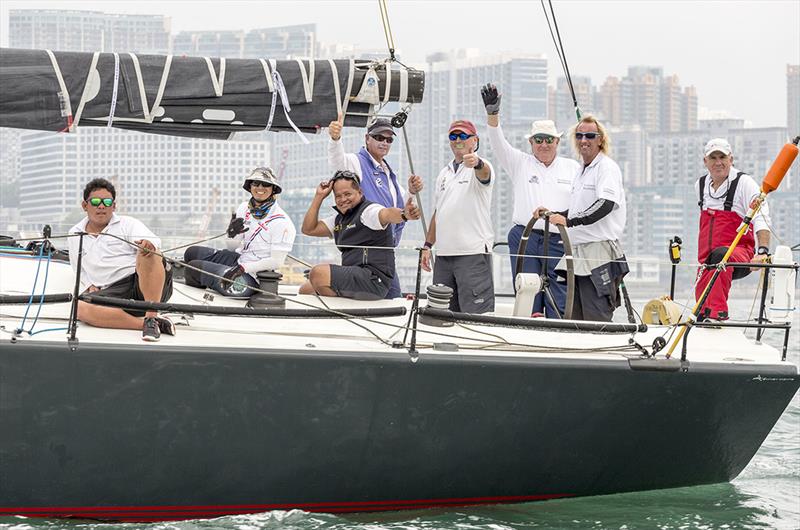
<point>725,195</point>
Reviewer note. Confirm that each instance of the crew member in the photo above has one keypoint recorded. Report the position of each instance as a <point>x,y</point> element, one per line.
<point>725,194</point>
<point>111,266</point>
<point>461,225</point>
<point>539,178</point>
<point>363,232</point>
<point>595,221</point>
<point>378,182</point>
<point>263,232</point>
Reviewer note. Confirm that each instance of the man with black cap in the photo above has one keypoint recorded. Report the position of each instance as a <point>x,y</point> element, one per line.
<point>539,177</point>
<point>264,233</point>
<point>725,194</point>
<point>378,181</point>
<point>461,225</point>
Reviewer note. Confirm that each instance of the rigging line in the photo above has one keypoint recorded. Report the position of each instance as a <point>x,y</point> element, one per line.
<point>384,341</point>
<point>33,290</point>
<point>195,242</point>
<point>44,287</point>
<point>387,28</point>
<point>561,53</point>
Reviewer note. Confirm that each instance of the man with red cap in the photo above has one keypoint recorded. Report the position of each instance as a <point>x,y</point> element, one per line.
<point>461,226</point>
<point>725,194</point>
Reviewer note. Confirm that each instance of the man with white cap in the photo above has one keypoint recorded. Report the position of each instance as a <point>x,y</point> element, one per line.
<point>461,224</point>
<point>264,235</point>
<point>725,194</point>
<point>378,181</point>
<point>540,178</point>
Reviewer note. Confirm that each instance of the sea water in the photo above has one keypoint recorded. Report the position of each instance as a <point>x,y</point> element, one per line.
<point>766,495</point>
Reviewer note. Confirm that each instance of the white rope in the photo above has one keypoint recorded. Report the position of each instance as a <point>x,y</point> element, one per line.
<point>281,89</point>
<point>114,92</point>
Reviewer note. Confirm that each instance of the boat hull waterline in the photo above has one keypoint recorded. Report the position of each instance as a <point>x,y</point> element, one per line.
<point>135,433</point>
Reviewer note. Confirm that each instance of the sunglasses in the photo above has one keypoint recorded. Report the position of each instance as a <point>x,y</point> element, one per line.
<point>259,184</point>
<point>97,201</point>
<point>543,139</point>
<point>381,138</point>
<point>459,136</point>
<point>588,135</point>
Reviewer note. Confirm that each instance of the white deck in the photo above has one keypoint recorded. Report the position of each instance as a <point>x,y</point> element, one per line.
<point>257,334</point>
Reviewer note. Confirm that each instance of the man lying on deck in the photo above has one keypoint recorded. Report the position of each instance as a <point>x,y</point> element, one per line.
<point>111,266</point>
<point>363,232</point>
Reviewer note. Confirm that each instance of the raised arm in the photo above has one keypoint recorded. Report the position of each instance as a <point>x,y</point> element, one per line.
<point>312,226</point>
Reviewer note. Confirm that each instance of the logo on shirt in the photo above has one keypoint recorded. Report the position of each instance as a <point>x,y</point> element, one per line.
<point>378,181</point>
<point>534,179</point>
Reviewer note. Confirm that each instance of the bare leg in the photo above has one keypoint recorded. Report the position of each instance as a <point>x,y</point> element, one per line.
<point>319,281</point>
<point>151,273</point>
<point>107,317</point>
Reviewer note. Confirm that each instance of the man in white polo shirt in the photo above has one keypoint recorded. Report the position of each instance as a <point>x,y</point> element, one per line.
<point>595,222</point>
<point>461,226</point>
<point>725,194</point>
<point>539,178</point>
<point>111,266</point>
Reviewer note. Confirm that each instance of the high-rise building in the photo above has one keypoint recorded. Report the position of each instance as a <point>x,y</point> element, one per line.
<point>88,31</point>
<point>282,42</point>
<point>647,98</point>
<point>562,107</point>
<point>793,99</point>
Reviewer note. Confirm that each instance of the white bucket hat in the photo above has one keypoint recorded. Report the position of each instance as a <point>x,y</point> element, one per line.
<point>262,174</point>
<point>543,128</point>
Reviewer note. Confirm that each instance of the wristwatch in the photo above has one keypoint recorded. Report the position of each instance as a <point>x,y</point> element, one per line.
<point>762,251</point>
<point>403,215</point>
<point>479,165</point>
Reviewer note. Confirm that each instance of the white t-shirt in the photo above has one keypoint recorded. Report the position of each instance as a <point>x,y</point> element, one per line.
<point>370,218</point>
<point>463,219</point>
<point>339,160</point>
<point>106,259</point>
<point>746,191</point>
<point>267,241</point>
<point>601,179</point>
<point>535,184</point>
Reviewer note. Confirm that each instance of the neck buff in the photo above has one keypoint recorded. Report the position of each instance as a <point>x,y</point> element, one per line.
<point>259,211</point>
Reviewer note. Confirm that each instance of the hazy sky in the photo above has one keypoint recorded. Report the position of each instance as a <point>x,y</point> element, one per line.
<point>735,53</point>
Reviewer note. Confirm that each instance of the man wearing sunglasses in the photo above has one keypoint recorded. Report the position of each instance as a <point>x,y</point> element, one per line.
<point>362,230</point>
<point>264,236</point>
<point>379,183</point>
<point>595,221</point>
<point>119,261</point>
<point>461,225</point>
<point>538,177</point>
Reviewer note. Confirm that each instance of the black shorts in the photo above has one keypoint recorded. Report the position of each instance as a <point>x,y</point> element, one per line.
<point>359,283</point>
<point>128,288</point>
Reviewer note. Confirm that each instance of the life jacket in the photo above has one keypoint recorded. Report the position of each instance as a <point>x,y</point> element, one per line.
<point>718,228</point>
<point>376,189</point>
<point>352,237</point>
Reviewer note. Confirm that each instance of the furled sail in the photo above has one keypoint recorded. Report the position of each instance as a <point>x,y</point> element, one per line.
<point>193,96</point>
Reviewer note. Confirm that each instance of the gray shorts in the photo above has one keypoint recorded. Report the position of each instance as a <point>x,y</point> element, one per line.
<point>128,288</point>
<point>359,283</point>
<point>471,279</point>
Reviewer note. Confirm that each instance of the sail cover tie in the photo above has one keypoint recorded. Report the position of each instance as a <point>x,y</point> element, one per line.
<point>281,89</point>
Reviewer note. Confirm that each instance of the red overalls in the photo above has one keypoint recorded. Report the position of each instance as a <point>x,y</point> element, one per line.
<point>718,229</point>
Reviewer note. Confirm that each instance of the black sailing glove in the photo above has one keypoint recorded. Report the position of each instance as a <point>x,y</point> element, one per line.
<point>491,99</point>
<point>236,226</point>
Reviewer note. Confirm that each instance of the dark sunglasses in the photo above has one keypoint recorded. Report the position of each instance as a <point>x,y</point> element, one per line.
<point>344,174</point>
<point>588,136</point>
<point>459,136</point>
<point>97,201</point>
<point>544,139</point>
<point>259,184</point>
<point>381,138</point>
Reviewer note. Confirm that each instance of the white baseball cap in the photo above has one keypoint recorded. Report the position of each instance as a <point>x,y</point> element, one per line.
<point>718,144</point>
<point>544,128</point>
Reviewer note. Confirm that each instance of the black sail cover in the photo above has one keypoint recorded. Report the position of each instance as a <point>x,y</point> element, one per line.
<point>193,96</point>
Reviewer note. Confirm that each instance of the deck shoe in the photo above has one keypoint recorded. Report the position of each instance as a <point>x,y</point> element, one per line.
<point>165,325</point>
<point>151,331</point>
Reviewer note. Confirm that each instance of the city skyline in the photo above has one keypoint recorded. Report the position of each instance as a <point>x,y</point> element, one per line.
<point>684,41</point>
